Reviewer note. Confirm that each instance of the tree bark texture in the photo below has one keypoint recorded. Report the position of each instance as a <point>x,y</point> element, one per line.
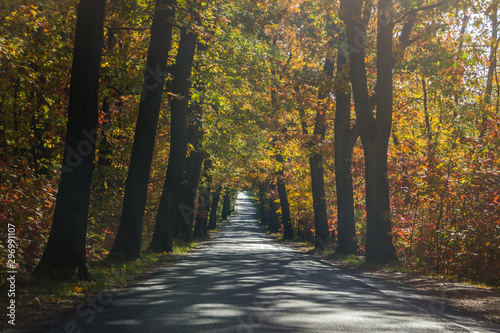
<point>285,206</point>
<point>128,240</point>
<point>212,222</point>
<point>273,215</point>
<point>184,221</point>
<point>322,232</point>
<point>374,132</point>
<point>226,206</point>
<point>164,227</point>
<point>203,204</point>
<point>345,139</point>
<point>65,250</point>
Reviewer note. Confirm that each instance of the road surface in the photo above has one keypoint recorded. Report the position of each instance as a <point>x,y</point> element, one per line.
<point>244,282</point>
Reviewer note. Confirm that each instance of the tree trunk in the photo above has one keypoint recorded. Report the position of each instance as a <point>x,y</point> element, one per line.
<point>379,246</point>
<point>39,126</point>
<point>184,220</point>
<point>273,215</point>
<point>345,139</point>
<point>428,130</point>
<point>128,240</point>
<point>285,206</point>
<point>65,251</point>
<point>322,232</point>
<point>105,149</point>
<point>163,232</point>
<point>203,204</point>
<point>491,68</point>
<point>212,222</point>
<point>225,206</point>
<point>374,133</point>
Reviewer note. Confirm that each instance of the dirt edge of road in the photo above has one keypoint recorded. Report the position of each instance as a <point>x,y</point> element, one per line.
<point>479,301</point>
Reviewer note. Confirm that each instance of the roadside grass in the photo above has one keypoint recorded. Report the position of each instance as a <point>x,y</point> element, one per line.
<point>349,259</point>
<point>105,274</point>
<point>37,299</point>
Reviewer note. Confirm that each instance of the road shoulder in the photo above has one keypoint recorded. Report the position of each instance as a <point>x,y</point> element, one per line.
<point>483,302</point>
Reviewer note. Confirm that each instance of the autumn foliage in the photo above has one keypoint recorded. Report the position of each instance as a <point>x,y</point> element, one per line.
<point>261,72</point>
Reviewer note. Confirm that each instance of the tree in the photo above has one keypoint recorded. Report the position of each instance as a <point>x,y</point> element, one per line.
<point>322,232</point>
<point>493,8</point>
<point>203,203</point>
<point>226,205</point>
<point>273,215</point>
<point>65,250</point>
<point>280,174</point>
<point>184,220</point>
<point>283,196</point>
<point>163,232</point>
<point>212,221</point>
<point>374,131</point>
<point>345,139</point>
<point>129,236</point>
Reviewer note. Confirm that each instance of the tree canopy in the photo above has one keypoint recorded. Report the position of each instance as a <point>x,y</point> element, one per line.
<point>390,107</point>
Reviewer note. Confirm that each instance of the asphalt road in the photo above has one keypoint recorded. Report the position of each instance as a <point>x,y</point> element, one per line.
<point>243,282</point>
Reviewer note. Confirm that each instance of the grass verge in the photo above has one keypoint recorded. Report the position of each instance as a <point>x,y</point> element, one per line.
<point>39,299</point>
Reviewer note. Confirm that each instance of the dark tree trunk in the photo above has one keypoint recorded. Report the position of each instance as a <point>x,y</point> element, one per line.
<point>285,206</point>
<point>374,133</point>
<point>203,204</point>
<point>163,232</point>
<point>39,151</point>
<point>226,203</point>
<point>65,251</point>
<point>323,237</point>
<point>273,215</point>
<point>201,223</point>
<point>212,223</point>
<point>105,149</point>
<point>280,181</point>
<point>232,201</point>
<point>184,220</point>
<point>322,232</point>
<point>345,139</point>
<point>128,240</point>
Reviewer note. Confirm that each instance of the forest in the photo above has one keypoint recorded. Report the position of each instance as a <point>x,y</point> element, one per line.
<point>370,128</point>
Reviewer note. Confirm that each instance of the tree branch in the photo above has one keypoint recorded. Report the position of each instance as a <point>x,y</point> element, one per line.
<point>420,9</point>
<point>126,28</point>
